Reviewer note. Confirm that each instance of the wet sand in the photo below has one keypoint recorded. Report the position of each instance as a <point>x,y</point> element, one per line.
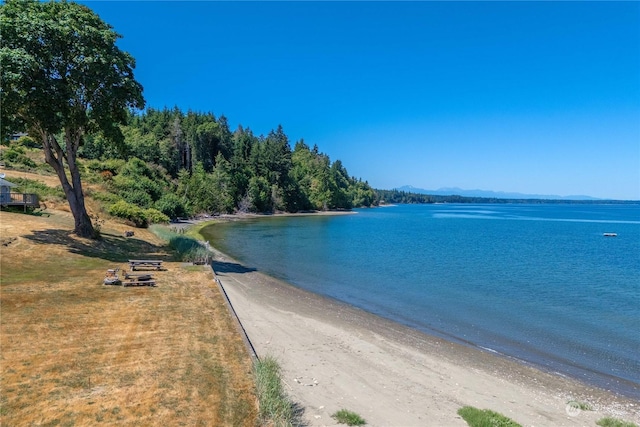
<point>335,356</point>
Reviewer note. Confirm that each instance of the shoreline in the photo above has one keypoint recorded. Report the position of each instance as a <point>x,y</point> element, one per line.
<point>336,356</point>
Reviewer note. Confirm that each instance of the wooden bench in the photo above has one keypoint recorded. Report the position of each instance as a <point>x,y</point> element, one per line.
<point>142,263</point>
<point>138,280</point>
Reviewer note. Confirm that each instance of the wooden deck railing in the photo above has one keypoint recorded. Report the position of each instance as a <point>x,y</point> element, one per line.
<point>20,199</point>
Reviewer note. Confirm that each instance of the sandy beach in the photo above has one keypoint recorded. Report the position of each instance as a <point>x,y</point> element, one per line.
<point>335,356</point>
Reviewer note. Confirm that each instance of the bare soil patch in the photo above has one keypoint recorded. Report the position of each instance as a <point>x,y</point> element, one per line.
<point>77,352</point>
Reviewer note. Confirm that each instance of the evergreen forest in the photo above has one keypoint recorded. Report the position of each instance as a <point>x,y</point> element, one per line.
<point>186,164</point>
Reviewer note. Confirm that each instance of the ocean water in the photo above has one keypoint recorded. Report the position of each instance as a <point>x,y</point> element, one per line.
<point>539,283</point>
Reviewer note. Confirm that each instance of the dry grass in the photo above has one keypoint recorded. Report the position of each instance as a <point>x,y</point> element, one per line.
<point>77,352</point>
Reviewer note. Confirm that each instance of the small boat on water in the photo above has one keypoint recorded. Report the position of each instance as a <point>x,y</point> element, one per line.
<point>610,234</point>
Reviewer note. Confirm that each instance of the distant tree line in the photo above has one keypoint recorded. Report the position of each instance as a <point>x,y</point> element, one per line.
<point>189,163</point>
<point>403,197</point>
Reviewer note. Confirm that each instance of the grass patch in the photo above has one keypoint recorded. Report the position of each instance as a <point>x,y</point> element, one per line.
<point>187,248</point>
<point>614,422</point>
<point>349,418</point>
<point>275,407</point>
<point>485,418</point>
<point>580,405</point>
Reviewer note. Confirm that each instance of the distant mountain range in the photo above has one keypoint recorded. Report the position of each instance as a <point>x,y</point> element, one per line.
<point>455,191</point>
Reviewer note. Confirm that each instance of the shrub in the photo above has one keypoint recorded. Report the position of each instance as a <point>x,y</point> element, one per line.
<point>106,175</point>
<point>171,205</point>
<point>130,212</point>
<point>102,196</point>
<point>17,155</point>
<point>154,216</point>
<point>29,142</point>
<point>130,187</point>
<point>137,197</point>
<point>485,418</point>
<point>110,165</point>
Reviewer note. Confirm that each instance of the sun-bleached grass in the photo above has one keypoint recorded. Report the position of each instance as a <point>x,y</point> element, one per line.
<point>77,352</point>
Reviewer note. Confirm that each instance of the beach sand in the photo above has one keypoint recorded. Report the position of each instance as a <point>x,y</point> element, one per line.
<point>335,356</point>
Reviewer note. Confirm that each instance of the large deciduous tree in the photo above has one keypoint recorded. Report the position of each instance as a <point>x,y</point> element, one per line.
<point>63,77</point>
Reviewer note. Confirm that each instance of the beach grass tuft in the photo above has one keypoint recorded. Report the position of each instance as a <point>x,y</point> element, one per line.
<point>614,422</point>
<point>485,418</point>
<point>580,405</point>
<point>349,418</point>
<point>187,248</point>
<point>275,408</point>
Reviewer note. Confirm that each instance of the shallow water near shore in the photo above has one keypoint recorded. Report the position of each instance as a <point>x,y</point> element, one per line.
<point>540,283</point>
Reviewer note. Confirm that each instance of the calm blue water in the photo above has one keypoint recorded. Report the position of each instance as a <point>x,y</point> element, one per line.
<point>536,282</point>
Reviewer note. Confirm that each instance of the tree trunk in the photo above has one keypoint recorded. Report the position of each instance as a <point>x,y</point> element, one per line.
<point>83,225</point>
<point>55,156</point>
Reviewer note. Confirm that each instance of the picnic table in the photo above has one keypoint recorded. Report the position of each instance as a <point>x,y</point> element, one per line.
<point>138,280</point>
<point>145,263</point>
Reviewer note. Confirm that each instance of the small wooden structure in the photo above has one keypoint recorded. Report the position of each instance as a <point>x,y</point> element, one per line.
<point>145,263</point>
<point>7,198</point>
<point>112,278</point>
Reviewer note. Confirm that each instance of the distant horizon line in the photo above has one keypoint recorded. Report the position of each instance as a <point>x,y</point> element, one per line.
<point>491,194</point>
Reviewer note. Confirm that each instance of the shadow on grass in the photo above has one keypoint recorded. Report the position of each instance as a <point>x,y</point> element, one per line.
<point>230,267</point>
<point>109,247</point>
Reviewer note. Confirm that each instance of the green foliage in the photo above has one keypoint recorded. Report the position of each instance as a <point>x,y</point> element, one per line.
<point>139,183</point>
<point>275,407</point>
<point>16,155</point>
<point>485,418</point>
<point>69,56</point>
<point>67,83</point>
<point>154,216</point>
<point>36,187</point>
<point>27,142</point>
<point>113,166</point>
<point>187,248</point>
<point>177,241</point>
<point>396,196</point>
<point>63,77</point>
<point>103,196</point>
<point>129,212</point>
<point>614,422</point>
<point>171,205</point>
<point>259,193</point>
<point>221,172</point>
<point>349,418</point>
<point>135,196</point>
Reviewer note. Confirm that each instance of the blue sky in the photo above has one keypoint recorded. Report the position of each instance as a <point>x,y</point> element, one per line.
<point>531,97</point>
